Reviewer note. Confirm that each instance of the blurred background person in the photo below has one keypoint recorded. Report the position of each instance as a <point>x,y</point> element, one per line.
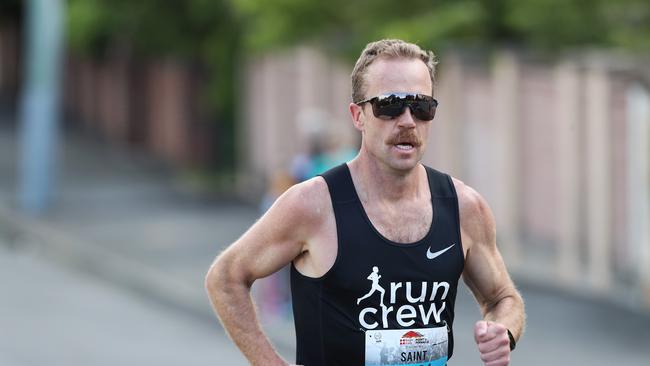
<point>326,148</point>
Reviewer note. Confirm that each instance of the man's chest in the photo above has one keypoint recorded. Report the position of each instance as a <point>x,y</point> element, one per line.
<point>401,223</point>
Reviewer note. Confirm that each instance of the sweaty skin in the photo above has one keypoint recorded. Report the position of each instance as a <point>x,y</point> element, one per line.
<point>393,189</point>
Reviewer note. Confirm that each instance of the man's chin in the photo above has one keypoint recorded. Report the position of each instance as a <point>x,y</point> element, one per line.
<point>404,165</point>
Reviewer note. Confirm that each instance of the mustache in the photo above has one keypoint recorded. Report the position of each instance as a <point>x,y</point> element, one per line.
<point>407,137</point>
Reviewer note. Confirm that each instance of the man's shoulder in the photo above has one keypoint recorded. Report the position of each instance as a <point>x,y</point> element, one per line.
<point>308,200</point>
<point>468,197</point>
<point>476,217</point>
<point>315,187</point>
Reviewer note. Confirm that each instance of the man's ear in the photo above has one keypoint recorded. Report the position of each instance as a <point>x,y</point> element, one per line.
<point>356,112</point>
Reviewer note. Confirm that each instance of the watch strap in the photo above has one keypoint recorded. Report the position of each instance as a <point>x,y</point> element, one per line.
<point>513,343</point>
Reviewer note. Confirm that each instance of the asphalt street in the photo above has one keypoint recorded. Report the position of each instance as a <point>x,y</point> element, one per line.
<point>52,315</point>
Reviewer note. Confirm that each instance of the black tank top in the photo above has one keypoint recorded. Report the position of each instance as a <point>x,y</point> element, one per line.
<point>382,302</point>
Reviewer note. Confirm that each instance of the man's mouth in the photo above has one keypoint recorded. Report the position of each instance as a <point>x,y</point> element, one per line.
<point>404,146</point>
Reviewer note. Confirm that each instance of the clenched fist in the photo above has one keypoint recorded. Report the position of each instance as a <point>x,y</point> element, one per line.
<point>493,343</point>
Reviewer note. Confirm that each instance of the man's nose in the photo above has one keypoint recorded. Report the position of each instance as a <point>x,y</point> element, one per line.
<point>406,119</point>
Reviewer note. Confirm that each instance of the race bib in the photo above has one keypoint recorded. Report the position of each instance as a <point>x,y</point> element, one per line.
<point>407,347</point>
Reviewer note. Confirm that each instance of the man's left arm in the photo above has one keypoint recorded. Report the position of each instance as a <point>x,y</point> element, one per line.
<point>486,275</point>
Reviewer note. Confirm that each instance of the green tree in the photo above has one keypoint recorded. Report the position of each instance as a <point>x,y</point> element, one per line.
<point>10,11</point>
<point>547,25</point>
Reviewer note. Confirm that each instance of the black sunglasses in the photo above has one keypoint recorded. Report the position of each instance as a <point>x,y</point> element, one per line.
<point>423,107</point>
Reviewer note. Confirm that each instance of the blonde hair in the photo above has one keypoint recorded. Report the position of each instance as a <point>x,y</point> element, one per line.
<point>388,48</point>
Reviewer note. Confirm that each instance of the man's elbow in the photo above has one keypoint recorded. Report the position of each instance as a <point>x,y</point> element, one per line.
<point>224,276</point>
<point>211,279</point>
<point>217,276</point>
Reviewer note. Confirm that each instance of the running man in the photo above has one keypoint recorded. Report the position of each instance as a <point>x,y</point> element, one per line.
<point>383,209</point>
<point>374,277</point>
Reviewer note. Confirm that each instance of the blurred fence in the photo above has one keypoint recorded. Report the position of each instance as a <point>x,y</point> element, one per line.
<point>158,104</point>
<point>561,151</point>
<point>291,96</point>
<point>155,103</point>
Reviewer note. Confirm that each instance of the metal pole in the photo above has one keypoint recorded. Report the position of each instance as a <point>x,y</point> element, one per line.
<point>40,103</point>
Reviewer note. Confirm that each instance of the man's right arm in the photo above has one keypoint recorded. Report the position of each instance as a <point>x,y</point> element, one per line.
<point>281,235</point>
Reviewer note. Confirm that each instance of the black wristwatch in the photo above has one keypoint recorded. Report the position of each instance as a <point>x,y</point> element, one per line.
<point>512,341</point>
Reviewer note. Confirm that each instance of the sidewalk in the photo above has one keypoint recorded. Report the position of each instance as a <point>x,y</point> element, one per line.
<point>124,219</point>
<point>53,315</point>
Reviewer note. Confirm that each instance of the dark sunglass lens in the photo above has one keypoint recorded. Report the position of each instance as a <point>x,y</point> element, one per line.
<point>423,110</point>
<point>423,107</point>
<point>388,107</point>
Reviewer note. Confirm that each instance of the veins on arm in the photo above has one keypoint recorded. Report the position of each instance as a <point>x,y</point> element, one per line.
<point>271,243</point>
<point>485,272</point>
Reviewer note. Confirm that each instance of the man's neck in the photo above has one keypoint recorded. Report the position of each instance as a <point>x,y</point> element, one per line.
<point>374,181</point>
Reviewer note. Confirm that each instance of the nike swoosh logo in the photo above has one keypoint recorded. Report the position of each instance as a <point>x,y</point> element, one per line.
<point>431,255</point>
